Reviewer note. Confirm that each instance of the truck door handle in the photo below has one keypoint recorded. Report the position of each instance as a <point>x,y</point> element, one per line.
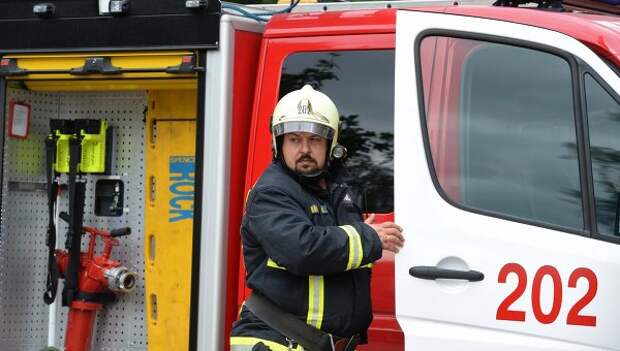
<point>432,273</point>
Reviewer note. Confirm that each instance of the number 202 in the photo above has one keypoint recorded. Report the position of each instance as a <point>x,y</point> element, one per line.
<point>574,318</point>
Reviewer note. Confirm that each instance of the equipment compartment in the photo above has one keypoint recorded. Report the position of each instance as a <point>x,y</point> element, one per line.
<point>24,324</point>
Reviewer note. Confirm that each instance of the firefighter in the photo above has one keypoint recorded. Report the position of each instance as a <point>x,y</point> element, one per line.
<point>308,252</point>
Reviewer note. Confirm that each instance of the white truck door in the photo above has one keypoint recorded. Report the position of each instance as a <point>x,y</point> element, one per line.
<point>507,175</point>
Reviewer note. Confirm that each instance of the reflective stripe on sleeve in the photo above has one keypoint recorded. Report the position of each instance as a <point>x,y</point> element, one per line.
<point>246,343</point>
<point>316,300</point>
<point>356,251</point>
<point>271,263</point>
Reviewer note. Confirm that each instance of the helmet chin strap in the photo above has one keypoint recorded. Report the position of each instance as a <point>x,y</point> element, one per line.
<point>313,176</point>
<point>313,181</point>
<point>319,174</point>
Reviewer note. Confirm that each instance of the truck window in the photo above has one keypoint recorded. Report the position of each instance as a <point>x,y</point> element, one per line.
<point>501,130</point>
<point>361,83</point>
<point>604,125</point>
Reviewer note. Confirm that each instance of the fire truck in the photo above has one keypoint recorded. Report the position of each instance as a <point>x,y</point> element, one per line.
<point>487,132</point>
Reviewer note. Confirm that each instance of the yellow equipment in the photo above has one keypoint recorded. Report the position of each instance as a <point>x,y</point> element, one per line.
<point>168,217</point>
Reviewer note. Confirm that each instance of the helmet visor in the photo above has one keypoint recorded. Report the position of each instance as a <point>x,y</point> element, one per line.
<point>299,126</point>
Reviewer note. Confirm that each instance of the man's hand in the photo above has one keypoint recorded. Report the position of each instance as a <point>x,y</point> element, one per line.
<point>389,233</point>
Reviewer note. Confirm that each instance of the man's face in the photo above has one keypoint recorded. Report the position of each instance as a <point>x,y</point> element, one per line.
<point>304,152</point>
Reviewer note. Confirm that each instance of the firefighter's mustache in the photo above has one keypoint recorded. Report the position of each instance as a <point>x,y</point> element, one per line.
<point>305,158</point>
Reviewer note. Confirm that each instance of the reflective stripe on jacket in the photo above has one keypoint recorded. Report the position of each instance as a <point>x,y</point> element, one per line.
<point>245,343</point>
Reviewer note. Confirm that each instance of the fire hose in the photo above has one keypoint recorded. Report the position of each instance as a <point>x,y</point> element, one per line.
<point>99,278</point>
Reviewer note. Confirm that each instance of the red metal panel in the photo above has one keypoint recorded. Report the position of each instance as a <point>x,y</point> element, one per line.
<point>247,46</point>
<point>385,333</point>
<point>600,33</point>
<point>383,277</point>
<point>250,178</point>
<point>332,23</point>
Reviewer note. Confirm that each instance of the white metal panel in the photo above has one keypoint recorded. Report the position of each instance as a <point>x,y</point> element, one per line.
<point>216,170</point>
<point>458,315</point>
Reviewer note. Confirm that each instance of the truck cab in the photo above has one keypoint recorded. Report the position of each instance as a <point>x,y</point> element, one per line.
<point>487,133</point>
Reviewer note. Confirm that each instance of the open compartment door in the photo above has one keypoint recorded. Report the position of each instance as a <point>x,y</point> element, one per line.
<point>149,110</point>
<point>493,189</point>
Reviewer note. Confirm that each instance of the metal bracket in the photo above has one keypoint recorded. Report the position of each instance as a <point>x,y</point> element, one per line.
<point>45,10</point>
<point>101,65</point>
<point>195,5</point>
<point>8,67</point>
<point>187,66</point>
<point>27,186</point>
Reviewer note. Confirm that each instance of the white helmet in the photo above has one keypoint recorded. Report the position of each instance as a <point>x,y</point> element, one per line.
<point>306,110</point>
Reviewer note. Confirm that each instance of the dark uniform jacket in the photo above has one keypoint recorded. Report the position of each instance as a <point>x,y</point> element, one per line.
<point>309,252</point>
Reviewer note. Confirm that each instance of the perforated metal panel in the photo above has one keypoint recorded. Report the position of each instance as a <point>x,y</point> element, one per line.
<point>23,253</point>
<point>24,316</point>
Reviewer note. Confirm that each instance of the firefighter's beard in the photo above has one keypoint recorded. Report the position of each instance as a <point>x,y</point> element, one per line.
<point>307,166</point>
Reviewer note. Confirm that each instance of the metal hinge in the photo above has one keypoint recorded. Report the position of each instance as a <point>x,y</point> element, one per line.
<point>8,67</point>
<point>101,65</point>
<point>188,65</point>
